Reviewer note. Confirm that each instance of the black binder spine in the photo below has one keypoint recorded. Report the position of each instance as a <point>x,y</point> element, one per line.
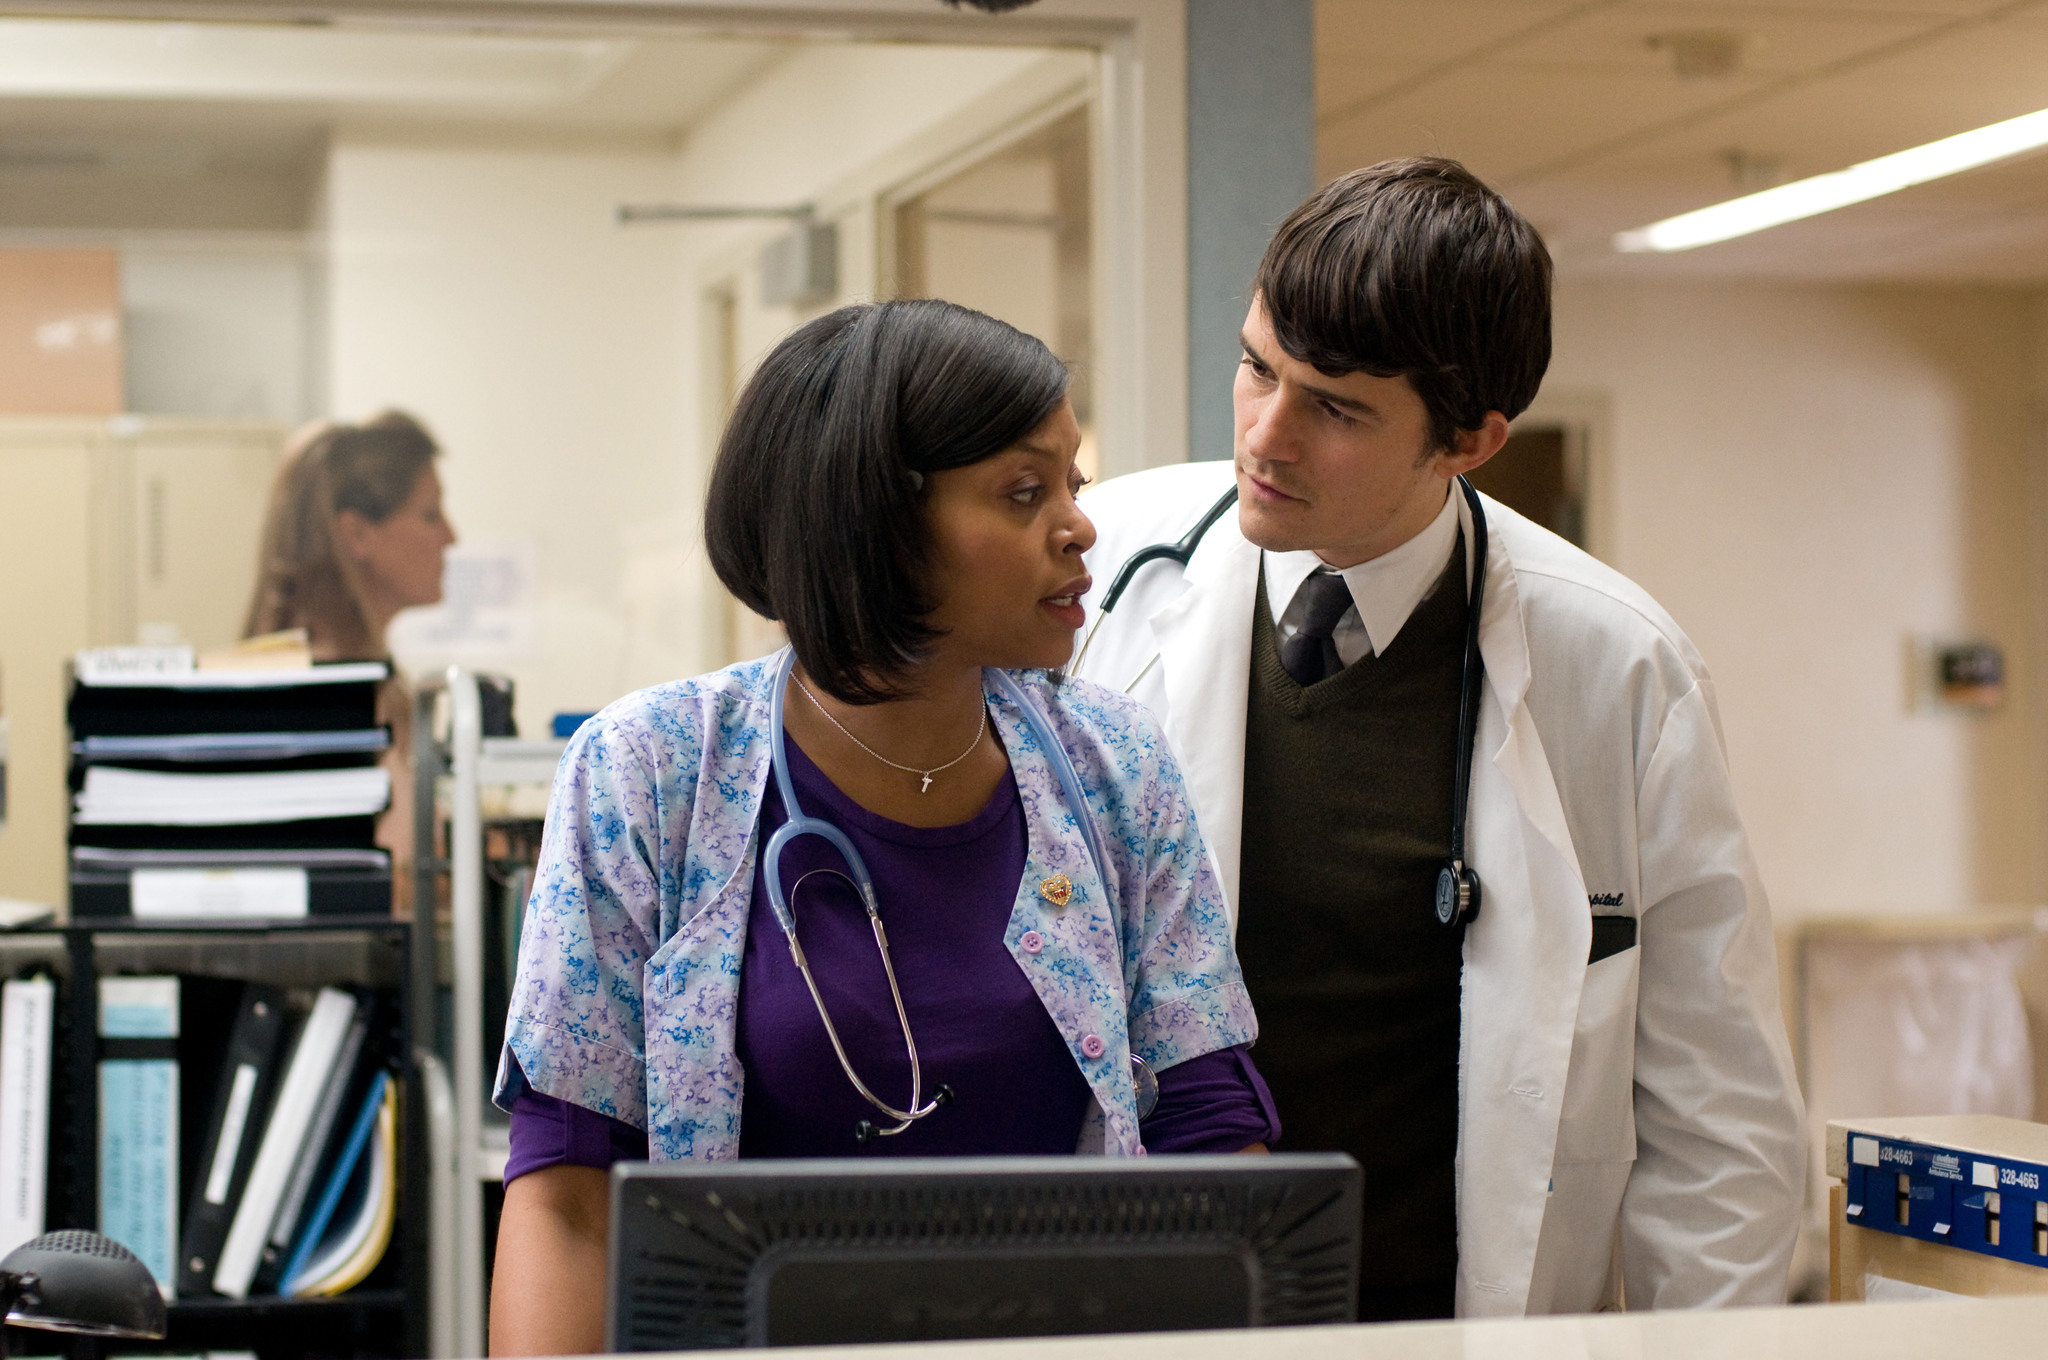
<point>350,1076</point>
<point>241,1103</point>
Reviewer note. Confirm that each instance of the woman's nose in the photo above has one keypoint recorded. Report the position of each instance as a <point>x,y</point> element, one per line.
<point>1080,533</point>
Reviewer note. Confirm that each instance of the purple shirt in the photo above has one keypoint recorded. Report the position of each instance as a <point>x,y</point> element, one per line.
<point>945,895</point>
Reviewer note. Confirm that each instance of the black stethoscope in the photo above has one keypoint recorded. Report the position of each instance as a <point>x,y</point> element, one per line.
<point>1457,885</point>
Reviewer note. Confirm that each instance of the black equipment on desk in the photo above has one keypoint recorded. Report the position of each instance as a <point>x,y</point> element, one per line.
<point>824,1252</point>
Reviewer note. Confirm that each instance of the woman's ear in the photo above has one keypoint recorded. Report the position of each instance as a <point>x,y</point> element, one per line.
<point>353,534</point>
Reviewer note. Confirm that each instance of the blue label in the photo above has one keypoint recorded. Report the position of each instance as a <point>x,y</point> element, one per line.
<point>1991,1205</point>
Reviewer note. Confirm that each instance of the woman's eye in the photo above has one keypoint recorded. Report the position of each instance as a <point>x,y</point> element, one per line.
<point>1027,495</point>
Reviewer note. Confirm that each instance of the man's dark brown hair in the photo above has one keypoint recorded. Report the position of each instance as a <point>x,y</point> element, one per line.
<point>1414,268</point>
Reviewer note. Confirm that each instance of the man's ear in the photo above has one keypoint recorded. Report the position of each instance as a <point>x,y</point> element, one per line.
<point>1472,448</point>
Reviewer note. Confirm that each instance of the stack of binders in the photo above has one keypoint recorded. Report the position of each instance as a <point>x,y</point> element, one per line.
<point>228,794</point>
<point>296,1191</point>
<point>268,1115</point>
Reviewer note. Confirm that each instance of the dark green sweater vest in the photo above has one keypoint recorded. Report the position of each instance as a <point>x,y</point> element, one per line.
<point>1347,816</point>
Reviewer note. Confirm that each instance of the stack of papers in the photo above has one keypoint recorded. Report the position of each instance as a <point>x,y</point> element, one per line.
<point>117,797</point>
<point>201,747</point>
<point>16,914</point>
<point>101,859</point>
<point>172,668</point>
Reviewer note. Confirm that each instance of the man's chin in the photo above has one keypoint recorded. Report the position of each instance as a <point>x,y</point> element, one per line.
<point>1275,528</point>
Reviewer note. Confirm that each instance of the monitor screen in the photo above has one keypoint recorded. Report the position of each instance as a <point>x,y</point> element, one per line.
<point>797,1253</point>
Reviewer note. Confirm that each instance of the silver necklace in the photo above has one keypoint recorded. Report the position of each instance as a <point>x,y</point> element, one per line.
<point>925,775</point>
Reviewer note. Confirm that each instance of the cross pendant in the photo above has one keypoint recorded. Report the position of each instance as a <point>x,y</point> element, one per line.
<point>927,788</point>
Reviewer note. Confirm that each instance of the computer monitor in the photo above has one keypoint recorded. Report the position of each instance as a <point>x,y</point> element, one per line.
<point>796,1253</point>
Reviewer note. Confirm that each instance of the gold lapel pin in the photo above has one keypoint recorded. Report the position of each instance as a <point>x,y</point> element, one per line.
<point>1058,890</point>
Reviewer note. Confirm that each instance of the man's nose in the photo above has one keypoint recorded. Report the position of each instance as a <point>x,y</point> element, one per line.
<point>1271,435</point>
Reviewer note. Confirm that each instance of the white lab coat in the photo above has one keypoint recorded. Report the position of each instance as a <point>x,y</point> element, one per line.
<point>1645,1102</point>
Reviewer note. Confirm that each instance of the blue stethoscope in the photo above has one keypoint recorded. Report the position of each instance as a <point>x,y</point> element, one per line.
<point>1457,884</point>
<point>799,825</point>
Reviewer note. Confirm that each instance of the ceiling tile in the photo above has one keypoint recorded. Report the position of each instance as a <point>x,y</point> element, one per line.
<point>1776,42</point>
<point>1504,120</point>
<point>1366,47</point>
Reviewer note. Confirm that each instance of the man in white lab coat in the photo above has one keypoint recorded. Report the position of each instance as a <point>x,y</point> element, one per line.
<point>1585,1091</point>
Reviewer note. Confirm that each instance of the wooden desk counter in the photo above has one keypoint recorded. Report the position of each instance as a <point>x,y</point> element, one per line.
<point>1896,1331</point>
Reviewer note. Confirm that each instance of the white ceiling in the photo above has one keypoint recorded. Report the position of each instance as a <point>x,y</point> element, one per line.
<point>628,86</point>
<point>1572,109</point>
<point>1571,106</point>
<point>112,124</point>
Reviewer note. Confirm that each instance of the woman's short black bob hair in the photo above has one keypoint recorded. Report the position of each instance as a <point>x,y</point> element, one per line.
<point>814,516</point>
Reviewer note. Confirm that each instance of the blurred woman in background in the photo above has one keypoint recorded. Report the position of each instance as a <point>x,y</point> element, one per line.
<point>354,534</point>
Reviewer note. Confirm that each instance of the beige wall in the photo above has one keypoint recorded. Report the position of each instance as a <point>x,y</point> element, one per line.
<point>488,291</point>
<point>1812,479</point>
<point>46,613</point>
<point>108,530</point>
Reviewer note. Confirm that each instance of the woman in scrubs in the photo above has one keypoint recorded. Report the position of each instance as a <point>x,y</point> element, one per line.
<point>896,487</point>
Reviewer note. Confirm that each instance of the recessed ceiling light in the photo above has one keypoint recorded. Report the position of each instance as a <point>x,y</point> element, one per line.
<point>1839,188</point>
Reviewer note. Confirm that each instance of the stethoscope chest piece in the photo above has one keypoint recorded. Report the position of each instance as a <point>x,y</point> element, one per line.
<point>1457,894</point>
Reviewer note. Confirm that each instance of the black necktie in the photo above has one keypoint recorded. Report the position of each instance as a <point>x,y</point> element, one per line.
<point>1311,654</point>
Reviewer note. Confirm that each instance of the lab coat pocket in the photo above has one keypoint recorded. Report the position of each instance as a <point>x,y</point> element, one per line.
<point>1598,1122</point>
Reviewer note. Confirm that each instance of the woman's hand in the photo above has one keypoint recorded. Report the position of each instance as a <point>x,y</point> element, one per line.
<point>547,1288</point>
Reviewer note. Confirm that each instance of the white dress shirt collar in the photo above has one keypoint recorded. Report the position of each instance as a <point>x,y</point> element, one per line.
<point>1384,591</point>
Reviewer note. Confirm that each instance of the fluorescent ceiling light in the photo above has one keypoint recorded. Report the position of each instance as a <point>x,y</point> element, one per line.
<point>1840,188</point>
<point>103,59</point>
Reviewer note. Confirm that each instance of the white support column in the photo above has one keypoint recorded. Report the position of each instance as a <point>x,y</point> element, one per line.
<point>466,875</point>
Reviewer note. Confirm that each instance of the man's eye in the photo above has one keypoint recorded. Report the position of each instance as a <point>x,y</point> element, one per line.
<point>1339,415</point>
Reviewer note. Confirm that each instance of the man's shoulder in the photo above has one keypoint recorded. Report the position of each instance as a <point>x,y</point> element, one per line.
<point>1566,590</point>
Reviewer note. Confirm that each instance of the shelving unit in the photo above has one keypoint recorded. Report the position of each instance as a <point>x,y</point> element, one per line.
<point>349,939</point>
<point>470,786</point>
<point>381,1319</point>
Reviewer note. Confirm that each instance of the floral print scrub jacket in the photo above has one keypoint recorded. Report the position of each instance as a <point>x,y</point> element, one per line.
<point>629,960</point>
